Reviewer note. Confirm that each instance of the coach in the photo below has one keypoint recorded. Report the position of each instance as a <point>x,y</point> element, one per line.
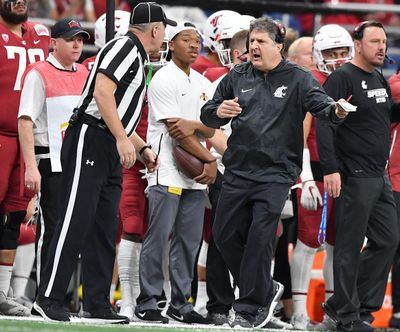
<point>266,99</point>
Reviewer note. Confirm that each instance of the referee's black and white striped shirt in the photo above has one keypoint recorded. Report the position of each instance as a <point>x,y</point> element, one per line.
<point>122,60</point>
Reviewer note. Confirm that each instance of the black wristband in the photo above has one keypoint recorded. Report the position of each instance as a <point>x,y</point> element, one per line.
<point>144,147</point>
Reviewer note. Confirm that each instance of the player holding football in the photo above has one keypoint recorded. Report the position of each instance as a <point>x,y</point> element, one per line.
<point>21,43</point>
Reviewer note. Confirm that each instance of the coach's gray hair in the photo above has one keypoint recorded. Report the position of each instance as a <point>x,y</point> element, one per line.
<point>264,24</point>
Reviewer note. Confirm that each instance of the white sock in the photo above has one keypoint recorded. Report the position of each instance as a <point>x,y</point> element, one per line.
<point>301,268</point>
<point>328,271</point>
<point>202,298</point>
<point>128,267</point>
<point>113,287</point>
<point>24,258</point>
<point>396,315</point>
<point>5,278</point>
<point>202,260</point>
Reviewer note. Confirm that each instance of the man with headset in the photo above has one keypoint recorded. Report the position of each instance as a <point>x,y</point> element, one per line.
<point>355,175</point>
<point>262,160</point>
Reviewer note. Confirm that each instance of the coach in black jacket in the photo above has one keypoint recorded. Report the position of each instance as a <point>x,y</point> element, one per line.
<point>354,159</point>
<point>266,100</point>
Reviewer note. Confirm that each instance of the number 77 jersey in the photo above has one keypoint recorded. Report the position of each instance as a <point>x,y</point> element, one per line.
<point>16,53</point>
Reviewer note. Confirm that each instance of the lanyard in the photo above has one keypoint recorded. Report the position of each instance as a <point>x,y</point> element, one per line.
<point>322,225</point>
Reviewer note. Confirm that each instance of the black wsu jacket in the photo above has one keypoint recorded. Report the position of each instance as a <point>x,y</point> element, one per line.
<point>266,144</point>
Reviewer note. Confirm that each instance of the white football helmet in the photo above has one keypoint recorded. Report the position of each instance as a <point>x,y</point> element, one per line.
<point>163,53</point>
<point>327,37</point>
<point>121,27</point>
<point>216,23</point>
<point>227,30</point>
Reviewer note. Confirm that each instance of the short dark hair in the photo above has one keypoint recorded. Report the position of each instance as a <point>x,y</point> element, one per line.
<point>238,39</point>
<point>358,32</point>
<point>275,29</point>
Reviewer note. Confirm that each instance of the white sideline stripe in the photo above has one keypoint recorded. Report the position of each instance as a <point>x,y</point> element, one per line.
<point>70,208</point>
<point>40,244</point>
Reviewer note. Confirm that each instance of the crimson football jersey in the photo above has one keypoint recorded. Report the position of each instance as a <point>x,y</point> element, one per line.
<point>202,63</point>
<point>16,53</point>
<point>89,62</point>
<point>214,73</point>
<point>312,137</point>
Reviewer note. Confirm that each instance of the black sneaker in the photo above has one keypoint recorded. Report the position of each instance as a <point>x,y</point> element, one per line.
<point>191,317</point>
<point>394,323</point>
<point>354,326</point>
<point>241,322</point>
<point>151,315</point>
<point>218,318</point>
<point>161,302</point>
<point>264,314</point>
<point>51,309</point>
<point>330,311</point>
<point>105,315</point>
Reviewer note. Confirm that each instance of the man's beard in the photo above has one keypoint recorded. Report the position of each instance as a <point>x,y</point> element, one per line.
<point>10,17</point>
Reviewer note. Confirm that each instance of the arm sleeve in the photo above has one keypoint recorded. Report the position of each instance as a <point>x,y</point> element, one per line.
<point>118,58</point>
<point>336,87</point>
<point>223,92</point>
<point>33,96</point>
<point>326,147</point>
<point>317,102</point>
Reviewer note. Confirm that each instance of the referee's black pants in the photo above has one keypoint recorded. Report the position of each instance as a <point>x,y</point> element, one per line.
<point>244,230</point>
<point>87,219</point>
<point>365,208</point>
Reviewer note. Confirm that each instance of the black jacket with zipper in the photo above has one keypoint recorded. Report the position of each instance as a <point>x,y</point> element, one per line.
<point>266,144</point>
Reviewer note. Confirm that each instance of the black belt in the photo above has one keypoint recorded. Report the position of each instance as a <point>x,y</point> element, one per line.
<point>42,150</point>
<point>89,120</point>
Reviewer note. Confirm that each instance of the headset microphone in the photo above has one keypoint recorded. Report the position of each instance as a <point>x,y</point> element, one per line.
<point>391,61</point>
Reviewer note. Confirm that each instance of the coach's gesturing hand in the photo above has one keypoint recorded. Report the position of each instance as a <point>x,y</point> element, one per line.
<point>229,108</point>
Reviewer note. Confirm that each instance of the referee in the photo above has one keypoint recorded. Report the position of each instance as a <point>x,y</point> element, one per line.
<point>99,139</point>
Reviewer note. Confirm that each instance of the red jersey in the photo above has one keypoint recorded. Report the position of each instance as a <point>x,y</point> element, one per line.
<point>16,53</point>
<point>212,74</point>
<point>312,136</point>
<point>202,63</point>
<point>62,5</point>
<point>89,62</point>
<point>394,158</point>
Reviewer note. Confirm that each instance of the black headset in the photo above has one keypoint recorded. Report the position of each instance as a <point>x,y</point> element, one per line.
<point>358,32</point>
<point>279,35</point>
<point>280,32</point>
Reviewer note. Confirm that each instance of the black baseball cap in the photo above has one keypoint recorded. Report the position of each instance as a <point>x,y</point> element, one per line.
<point>68,28</point>
<point>148,12</point>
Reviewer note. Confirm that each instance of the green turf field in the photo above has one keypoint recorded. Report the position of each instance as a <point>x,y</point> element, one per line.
<point>20,325</point>
<point>24,325</point>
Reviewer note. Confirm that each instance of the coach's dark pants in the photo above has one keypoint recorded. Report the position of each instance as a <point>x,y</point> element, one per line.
<point>365,208</point>
<point>87,224</point>
<point>244,230</point>
<point>219,289</point>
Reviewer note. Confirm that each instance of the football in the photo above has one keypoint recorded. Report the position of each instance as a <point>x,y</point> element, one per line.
<point>188,164</point>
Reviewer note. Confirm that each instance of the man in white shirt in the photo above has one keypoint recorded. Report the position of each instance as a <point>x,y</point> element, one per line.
<point>176,203</point>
